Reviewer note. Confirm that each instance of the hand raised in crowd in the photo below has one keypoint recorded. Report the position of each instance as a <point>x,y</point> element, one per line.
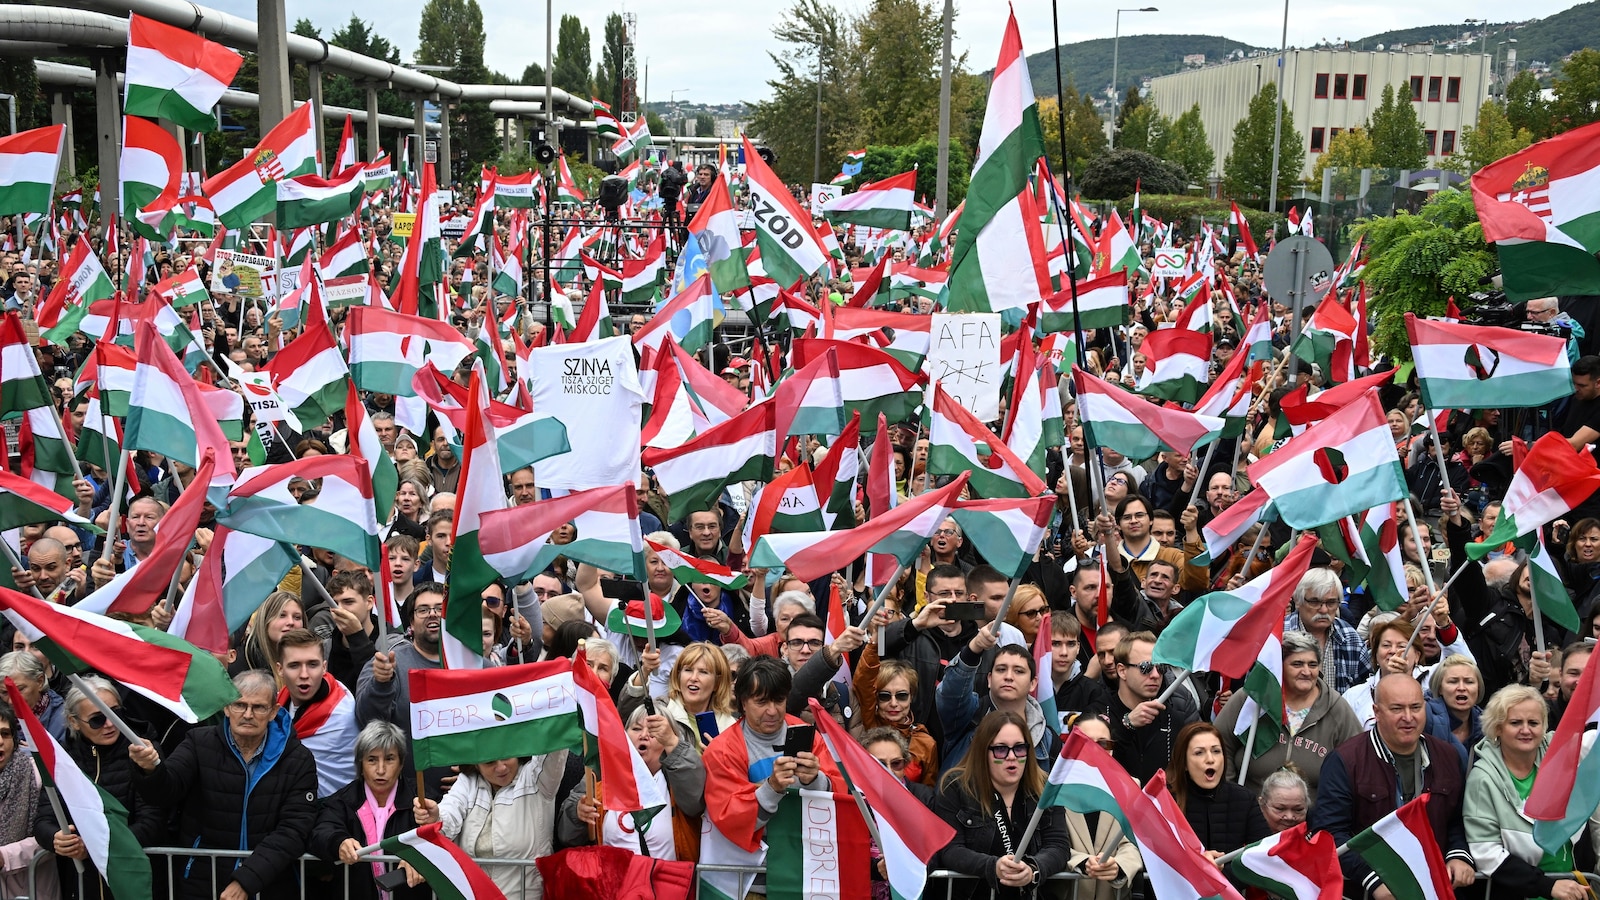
<point>103,571</point>
<point>717,620</point>
<point>849,641</point>
<point>85,493</point>
<point>1539,667</point>
<point>1450,504</point>
<point>1080,544</point>
<point>662,729</point>
<point>929,616</point>
<point>649,660</point>
<point>521,629</point>
<point>383,666</point>
<point>23,578</point>
<point>590,810</point>
<point>983,641</point>
<point>1191,476</point>
<point>885,617</point>
<point>425,811</point>
<point>1190,520</point>
<point>783,773</point>
<point>1145,713</point>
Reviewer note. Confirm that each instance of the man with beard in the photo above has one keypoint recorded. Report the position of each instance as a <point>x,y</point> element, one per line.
<point>383,691</point>
<point>1346,660</point>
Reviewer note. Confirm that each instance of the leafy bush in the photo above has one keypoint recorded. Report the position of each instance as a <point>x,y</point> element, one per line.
<point>1117,173</point>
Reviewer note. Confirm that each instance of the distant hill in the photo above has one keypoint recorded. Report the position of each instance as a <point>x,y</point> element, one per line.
<point>1087,64</point>
<point>1547,40</point>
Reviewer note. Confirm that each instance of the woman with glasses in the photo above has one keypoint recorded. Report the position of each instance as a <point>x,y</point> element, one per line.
<point>101,752</point>
<point>1028,608</point>
<point>989,798</point>
<point>884,693</point>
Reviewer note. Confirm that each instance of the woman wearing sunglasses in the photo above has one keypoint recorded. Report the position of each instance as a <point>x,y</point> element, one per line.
<point>885,690</point>
<point>100,750</point>
<point>989,799</point>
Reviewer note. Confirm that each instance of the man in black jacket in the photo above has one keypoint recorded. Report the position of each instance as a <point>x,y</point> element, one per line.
<point>1142,726</point>
<point>672,181</point>
<point>247,784</point>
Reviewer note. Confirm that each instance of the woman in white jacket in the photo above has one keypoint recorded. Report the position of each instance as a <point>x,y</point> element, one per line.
<point>505,809</point>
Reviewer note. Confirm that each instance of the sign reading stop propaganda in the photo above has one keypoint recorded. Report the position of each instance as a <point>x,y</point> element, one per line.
<point>1170,262</point>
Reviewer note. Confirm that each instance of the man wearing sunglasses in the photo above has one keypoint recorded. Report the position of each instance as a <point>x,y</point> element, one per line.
<point>1142,726</point>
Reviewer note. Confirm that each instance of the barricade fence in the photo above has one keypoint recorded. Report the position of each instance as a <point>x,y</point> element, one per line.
<point>315,887</point>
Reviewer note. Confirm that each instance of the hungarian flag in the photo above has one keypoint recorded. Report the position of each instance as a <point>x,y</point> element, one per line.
<point>633,140</point>
<point>24,502</point>
<point>1550,595</point>
<point>171,672</point>
<point>516,541</point>
<point>378,175</point>
<point>1538,207</point>
<point>1404,854</point>
<point>238,572</point>
<point>1044,686</point>
<point>1231,395</point>
<point>958,442</point>
<point>1475,366</point>
<point>149,169</point>
<point>1086,779</point>
<point>1551,479</point>
<point>694,474</point>
<point>1102,303</point>
<point>1328,340</point>
<point>594,323</point>
<point>1344,465</point>
<point>341,518</point>
<point>22,385</point>
<point>1293,865</point>
<point>247,190</point>
<point>789,248</point>
<point>29,162</point>
<point>605,121</point>
<point>1224,631</point>
<point>310,376</point>
<point>1241,227</point>
<point>480,491</point>
<point>901,532</point>
<point>881,495</point>
<point>817,847</point>
<point>691,570</point>
<point>479,228</point>
<point>364,444</point>
<point>1006,532</point>
<point>566,188</point>
<point>387,348</point>
<point>94,815</point>
<point>421,288</point>
<point>1112,417</point>
<point>523,438</point>
<point>1034,423</point>
<point>1567,790</point>
<point>447,869</point>
<point>1257,338</point>
<point>689,317</point>
<point>182,289</point>
<point>716,227</point>
<point>508,267</point>
<point>99,440</point>
<point>904,336</point>
<point>83,280</point>
<point>998,259</point>
<point>166,413</point>
<point>514,191</point>
<point>175,74</point>
<point>134,591</point>
<point>346,256</point>
<point>810,401</point>
<point>308,200</point>
<point>1380,543</point>
<point>641,278</point>
<point>785,505</point>
<point>347,156</point>
<point>1299,410</point>
<point>1117,251</point>
<point>1177,365</point>
<point>837,475</point>
<point>881,204</point>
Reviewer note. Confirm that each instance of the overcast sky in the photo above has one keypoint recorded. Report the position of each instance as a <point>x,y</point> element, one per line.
<point>715,51</point>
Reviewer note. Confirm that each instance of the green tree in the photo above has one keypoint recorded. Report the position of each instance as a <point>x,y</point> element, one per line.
<point>1577,91</point>
<point>448,27</point>
<point>1247,171</point>
<point>1397,138</point>
<point>1144,129</point>
<point>657,125</point>
<point>704,125</point>
<point>451,34</point>
<point>1130,102</point>
<point>1416,263</point>
<point>1526,107</point>
<point>1491,139</point>
<point>1348,153</point>
<point>1185,145</point>
<point>1119,173</point>
<point>533,74</point>
<point>608,73</point>
<point>898,47</point>
<point>1084,129</point>
<point>785,121</point>
<point>572,57</point>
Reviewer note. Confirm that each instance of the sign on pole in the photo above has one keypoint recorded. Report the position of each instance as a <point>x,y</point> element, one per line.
<point>1170,262</point>
<point>964,356</point>
<point>821,194</point>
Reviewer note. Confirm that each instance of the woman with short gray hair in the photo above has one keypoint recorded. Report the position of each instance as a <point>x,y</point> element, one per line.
<point>1316,720</point>
<point>1285,800</point>
<point>25,669</point>
<point>376,805</point>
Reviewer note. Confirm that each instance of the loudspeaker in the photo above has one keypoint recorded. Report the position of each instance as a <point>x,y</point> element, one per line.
<point>545,154</point>
<point>613,192</point>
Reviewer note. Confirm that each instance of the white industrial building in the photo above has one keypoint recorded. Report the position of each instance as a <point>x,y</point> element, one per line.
<point>1330,90</point>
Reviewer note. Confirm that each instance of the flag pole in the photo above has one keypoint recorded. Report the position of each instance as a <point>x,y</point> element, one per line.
<point>1250,558</point>
<point>1438,451</point>
<point>882,598</point>
<point>11,556</point>
<point>1178,675</point>
<point>119,486</point>
<point>77,471</point>
<point>1437,594</point>
<point>61,817</point>
<point>855,792</point>
<point>111,715</point>
<point>1249,747</point>
<point>1113,837</point>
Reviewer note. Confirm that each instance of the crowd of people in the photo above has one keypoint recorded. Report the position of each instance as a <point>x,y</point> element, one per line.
<point>1456,698</point>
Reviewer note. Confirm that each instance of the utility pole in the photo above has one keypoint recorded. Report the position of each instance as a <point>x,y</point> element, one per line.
<point>942,176</point>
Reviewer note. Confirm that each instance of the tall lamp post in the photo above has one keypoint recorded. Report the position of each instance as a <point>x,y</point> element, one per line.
<point>816,159</point>
<point>1116,41</point>
<point>1496,77</point>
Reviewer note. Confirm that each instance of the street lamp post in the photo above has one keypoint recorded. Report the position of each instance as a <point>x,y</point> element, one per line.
<point>1116,41</point>
<point>1495,77</point>
<point>816,159</point>
<point>1277,122</point>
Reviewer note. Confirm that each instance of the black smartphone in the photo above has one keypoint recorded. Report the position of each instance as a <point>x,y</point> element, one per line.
<point>800,739</point>
<point>622,589</point>
<point>707,723</point>
<point>392,880</point>
<point>965,612</point>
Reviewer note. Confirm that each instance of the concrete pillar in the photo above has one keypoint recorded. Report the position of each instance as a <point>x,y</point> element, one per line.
<point>272,53</point>
<point>61,114</point>
<point>107,125</point>
<point>373,145</point>
<point>444,142</point>
<point>505,134</point>
<point>314,71</point>
<point>419,127</point>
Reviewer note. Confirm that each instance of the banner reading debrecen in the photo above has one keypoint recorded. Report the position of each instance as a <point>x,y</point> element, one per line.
<point>594,390</point>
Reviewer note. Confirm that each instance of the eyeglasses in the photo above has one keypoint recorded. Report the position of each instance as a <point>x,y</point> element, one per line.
<point>946,532</point>
<point>1145,668</point>
<point>73,546</point>
<point>254,709</point>
<point>1034,613</point>
<point>1001,751</point>
<point>493,601</point>
<point>898,764</point>
<point>1107,744</point>
<point>429,611</point>
<point>896,696</point>
<point>1321,602</point>
<point>798,644</point>
<point>98,720</point>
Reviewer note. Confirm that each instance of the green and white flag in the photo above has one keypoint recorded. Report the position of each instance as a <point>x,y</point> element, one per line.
<point>480,491</point>
<point>342,518</point>
<point>175,74</point>
<point>308,200</point>
<point>789,247</point>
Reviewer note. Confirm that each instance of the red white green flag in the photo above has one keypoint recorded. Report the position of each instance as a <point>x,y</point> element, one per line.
<point>694,474</point>
<point>1342,466</point>
<point>134,591</point>
<point>341,518</point>
<point>901,532</point>
<point>958,442</point>
<point>1477,366</point>
<point>1177,365</point>
<point>175,74</point>
<point>516,541</point>
<point>1114,418</point>
<point>691,570</point>
<point>1404,854</point>
<point>1551,479</point>
<point>82,281</point>
<point>444,866</point>
<point>1540,209</point>
<point>1006,532</point>
<point>480,491</point>
<point>94,815</point>
<point>166,413</point>
<point>1293,865</point>
<point>789,248</point>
